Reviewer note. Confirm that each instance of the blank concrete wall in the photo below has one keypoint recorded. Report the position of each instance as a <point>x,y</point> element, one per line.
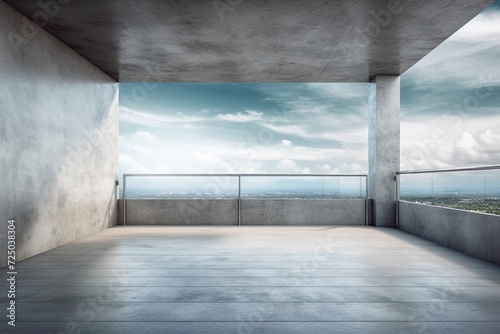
<point>253,212</point>
<point>303,212</point>
<point>472,233</point>
<point>180,212</point>
<point>58,140</point>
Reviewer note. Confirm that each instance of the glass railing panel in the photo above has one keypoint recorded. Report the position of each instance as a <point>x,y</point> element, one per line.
<point>182,187</point>
<point>303,187</point>
<point>471,190</point>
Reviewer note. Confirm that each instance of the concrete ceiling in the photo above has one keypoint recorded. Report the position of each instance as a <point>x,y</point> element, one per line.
<point>251,40</point>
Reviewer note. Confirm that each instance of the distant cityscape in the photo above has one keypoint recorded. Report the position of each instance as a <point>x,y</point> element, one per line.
<point>469,201</point>
<point>299,194</point>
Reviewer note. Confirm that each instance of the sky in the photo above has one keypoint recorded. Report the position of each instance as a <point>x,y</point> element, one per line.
<point>244,128</point>
<point>450,117</point>
<point>450,100</point>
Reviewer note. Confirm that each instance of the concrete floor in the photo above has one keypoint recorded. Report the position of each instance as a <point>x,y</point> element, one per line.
<point>255,280</point>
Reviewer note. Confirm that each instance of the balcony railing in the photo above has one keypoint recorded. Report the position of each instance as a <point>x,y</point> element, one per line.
<point>472,189</point>
<point>258,188</point>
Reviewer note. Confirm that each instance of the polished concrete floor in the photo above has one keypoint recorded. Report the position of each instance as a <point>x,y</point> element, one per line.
<point>255,280</point>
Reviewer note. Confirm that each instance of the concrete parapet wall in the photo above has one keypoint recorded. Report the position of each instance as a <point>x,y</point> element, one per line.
<point>472,233</point>
<point>180,212</point>
<point>253,212</point>
<point>303,212</point>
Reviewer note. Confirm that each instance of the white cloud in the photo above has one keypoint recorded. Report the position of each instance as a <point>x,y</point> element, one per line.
<point>481,148</point>
<point>467,59</point>
<point>305,105</point>
<point>131,166</point>
<point>220,157</point>
<point>247,116</point>
<point>349,168</point>
<point>347,91</point>
<point>484,27</point>
<point>326,168</point>
<point>288,129</point>
<point>215,149</point>
<point>457,148</point>
<point>287,164</point>
<point>353,135</point>
<point>489,140</point>
<point>290,166</point>
<point>464,148</point>
<point>189,126</point>
<point>162,169</point>
<point>155,120</point>
<point>144,135</point>
<point>245,167</point>
<point>211,162</point>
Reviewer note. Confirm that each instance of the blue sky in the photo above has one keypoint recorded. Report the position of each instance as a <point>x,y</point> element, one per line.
<point>450,116</point>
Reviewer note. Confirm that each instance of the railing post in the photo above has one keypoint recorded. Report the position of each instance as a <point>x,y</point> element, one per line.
<point>367,200</point>
<point>124,199</point>
<point>398,196</point>
<point>239,200</point>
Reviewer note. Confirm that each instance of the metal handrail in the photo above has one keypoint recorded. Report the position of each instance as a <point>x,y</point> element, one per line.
<point>446,170</point>
<point>245,175</point>
<point>239,176</point>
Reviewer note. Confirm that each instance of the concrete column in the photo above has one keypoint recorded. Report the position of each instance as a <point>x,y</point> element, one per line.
<point>383,147</point>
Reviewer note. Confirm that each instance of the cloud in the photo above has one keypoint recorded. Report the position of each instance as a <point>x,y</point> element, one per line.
<point>326,168</point>
<point>290,166</point>
<point>342,168</point>
<point>144,135</point>
<point>131,166</point>
<point>162,169</point>
<point>489,140</point>
<point>349,167</point>
<point>305,105</point>
<point>353,92</point>
<point>481,148</point>
<point>468,148</point>
<point>313,132</point>
<point>450,100</point>
<point>247,116</point>
<point>316,99</point>
<point>213,163</point>
<point>246,167</point>
<point>294,127</point>
<point>455,75</point>
<point>153,119</point>
<point>485,27</point>
<point>295,130</point>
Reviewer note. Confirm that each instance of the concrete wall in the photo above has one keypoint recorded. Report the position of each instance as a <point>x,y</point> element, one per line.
<point>58,140</point>
<point>180,212</point>
<point>303,212</point>
<point>469,232</point>
<point>253,212</point>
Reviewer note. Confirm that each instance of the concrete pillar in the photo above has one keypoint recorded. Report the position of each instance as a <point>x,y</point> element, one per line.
<point>383,147</point>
